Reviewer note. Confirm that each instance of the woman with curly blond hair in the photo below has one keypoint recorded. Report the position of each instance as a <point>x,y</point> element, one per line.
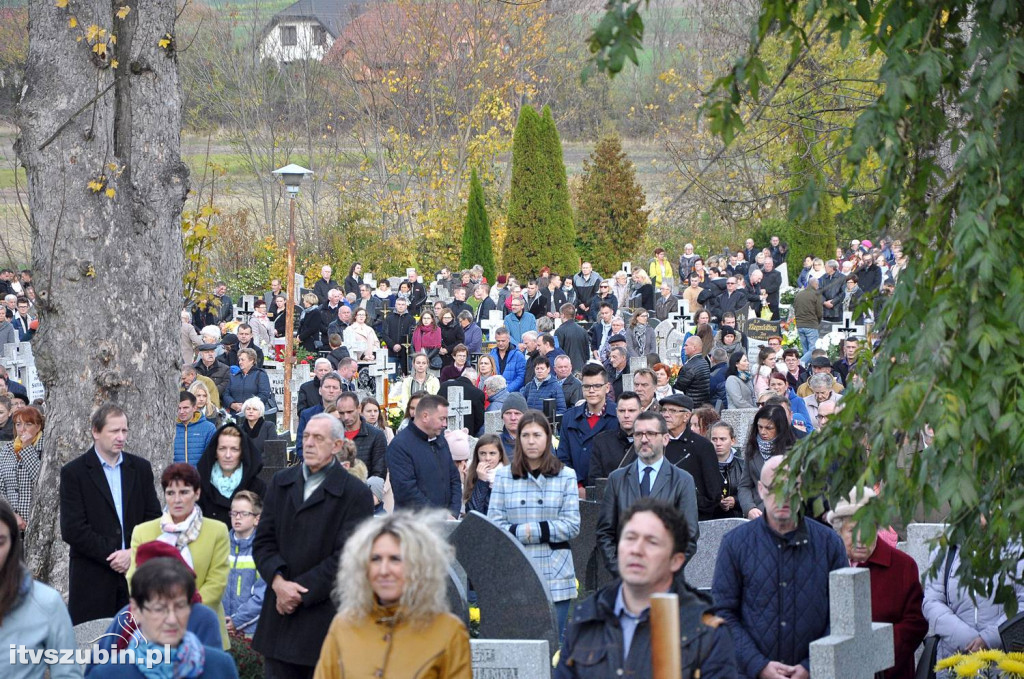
<point>393,619</point>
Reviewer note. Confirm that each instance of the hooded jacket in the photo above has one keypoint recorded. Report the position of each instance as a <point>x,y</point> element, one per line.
<point>243,597</point>
<point>213,504</point>
<point>191,438</point>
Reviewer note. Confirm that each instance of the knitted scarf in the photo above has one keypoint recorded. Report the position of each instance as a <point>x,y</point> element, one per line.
<point>640,332</point>
<point>225,484</point>
<point>187,660</point>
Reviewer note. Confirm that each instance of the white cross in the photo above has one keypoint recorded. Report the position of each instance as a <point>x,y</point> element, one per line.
<point>627,267</point>
<point>458,408</point>
<point>848,327</point>
<point>379,371</point>
<point>493,322</point>
<point>369,280</point>
<point>248,304</point>
<point>856,648</point>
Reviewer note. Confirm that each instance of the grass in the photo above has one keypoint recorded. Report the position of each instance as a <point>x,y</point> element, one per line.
<point>7,178</point>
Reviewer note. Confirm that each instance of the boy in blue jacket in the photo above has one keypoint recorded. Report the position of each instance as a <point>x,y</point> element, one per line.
<point>243,597</point>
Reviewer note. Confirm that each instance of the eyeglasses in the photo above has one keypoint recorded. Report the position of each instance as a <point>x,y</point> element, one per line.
<point>646,434</point>
<point>162,611</point>
<point>593,387</point>
<point>241,515</point>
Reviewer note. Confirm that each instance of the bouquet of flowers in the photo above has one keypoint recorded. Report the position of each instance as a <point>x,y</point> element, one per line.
<point>395,417</point>
<point>832,343</point>
<point>990,663</point>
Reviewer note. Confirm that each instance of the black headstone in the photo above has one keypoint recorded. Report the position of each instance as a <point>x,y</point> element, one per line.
<point>457,597</point>
<point>584,546</point>
<point>514,601</point>
<point>275,458</point>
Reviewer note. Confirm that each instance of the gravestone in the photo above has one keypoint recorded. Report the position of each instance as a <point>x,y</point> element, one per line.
<point>457,599</point>
<point>741,420</point>
<point>368,279</point>
<point>493,321</point>
<point>379,371</point>
<point>761,330</point>
<point>700,570</point>
<point>493,422</point>
<point>458,408</point>
<point>637,363</point>
<point>856,647</point>
<point>505,659</point>
<point>585,555</point>
<point>628,268</point>
<point>627,381</point>
<point>514,600</point>
<point>275,458</point>
<point>783,270</point>
<point>87,633</point>
<point>848,328</point>
<point>918,545</point>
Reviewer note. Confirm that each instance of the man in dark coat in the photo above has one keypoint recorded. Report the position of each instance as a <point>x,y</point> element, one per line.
<point>98,525</point>
<point>417,293</point>
<point>422,471</point>
<point>474,421</point>
<point>572,388</point>
<point>773,620</point>
<point>309,392</point>
<point>648,476</point>
<point>324,284</point>
<point>308,514</point>
<point>695,376</point>
<point>209,366</point>
<point>771,283</point>
<point>651,554</point>
<point>692,453</point>
<point>734,298</point>
<point>580,424</point>
<point>613,449</point>
<point>572,339</point>
<point>832,284</point>
<point>371,444</point>
<point>396,333</point>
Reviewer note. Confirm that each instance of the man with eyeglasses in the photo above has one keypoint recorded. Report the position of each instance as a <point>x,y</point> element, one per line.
<point>580,424</point>
<point>692,453</point>
<point>648,477</point>
<point>519,321</point>
<point>734,299</point>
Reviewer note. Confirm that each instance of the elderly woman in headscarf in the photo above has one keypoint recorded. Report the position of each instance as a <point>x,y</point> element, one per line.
<point>896,593</point>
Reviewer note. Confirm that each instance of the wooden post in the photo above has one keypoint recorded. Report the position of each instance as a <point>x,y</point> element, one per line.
<point>666,647</point>
<point>289,316</point>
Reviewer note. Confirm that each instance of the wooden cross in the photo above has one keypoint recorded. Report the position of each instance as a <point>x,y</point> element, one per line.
<point>458,408</point>
<point>856,648</point>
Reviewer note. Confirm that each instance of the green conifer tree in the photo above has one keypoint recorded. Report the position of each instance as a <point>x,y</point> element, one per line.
<point>562,233</point>
<point>611,220</point>
<point>476,233</point>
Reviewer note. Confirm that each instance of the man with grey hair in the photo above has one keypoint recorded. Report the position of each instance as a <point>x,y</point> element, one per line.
<point>695,376</point>
<point>716,377</point>
<point>496,390</point>
<point>531,351</point>
<point>832,284</point>
<point>308,513</point>
<point>618,366</point>
<point>309,392</point>
<point>572,388</point>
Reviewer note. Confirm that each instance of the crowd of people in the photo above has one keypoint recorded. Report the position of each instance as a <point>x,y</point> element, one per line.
<point>336,566</point>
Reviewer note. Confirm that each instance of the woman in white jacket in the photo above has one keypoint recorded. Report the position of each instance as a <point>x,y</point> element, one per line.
<point>962,624</point>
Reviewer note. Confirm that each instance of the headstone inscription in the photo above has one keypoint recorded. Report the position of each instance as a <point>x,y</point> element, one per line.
<point>761,330</point>
<point>521,612</point>
<point>510,659</point>
<point>856,648</point>
<point>458,408</point>
<point>493,422</point>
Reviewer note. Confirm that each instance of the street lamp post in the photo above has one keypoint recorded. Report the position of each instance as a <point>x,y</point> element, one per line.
<point>292,176</point>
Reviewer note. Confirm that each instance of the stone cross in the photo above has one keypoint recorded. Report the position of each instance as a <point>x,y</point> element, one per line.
<point>493,422</point>
<point>458,408</point>
<point>248,304</point>
<point>848,327</point>
<point>379,371</point>
<point>857,648</point>
<point>628,268</point>
<point>494,321</point>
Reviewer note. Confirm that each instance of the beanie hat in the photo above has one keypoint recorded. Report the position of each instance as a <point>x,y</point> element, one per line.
<point>514,402</point>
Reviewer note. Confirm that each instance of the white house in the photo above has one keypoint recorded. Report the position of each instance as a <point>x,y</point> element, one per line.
<point>307,29</point>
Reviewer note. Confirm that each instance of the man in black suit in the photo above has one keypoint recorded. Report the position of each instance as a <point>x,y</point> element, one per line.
<point>104,494</point>
<point>475,420</point>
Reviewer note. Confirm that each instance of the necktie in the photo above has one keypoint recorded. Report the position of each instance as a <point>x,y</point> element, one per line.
<point>645,483</point>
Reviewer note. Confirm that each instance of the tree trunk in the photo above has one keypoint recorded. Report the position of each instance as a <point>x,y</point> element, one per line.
<point>107,262</point>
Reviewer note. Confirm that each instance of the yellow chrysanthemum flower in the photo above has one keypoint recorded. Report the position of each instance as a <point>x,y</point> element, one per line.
<point>1012,667</point>
<point>970,667</point>
<point>990,655</point>
<point>951,661</point>
<point>474,614</point>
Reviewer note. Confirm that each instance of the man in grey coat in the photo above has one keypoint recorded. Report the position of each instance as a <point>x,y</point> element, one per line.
<point>651,476</point>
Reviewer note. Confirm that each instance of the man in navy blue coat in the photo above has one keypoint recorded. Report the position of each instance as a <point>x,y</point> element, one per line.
<point>422,471</point>
<point>771,585</point>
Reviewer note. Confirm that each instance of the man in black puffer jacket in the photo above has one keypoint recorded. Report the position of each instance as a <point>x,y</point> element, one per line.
<point>371,444</point>
<point>695,376</point>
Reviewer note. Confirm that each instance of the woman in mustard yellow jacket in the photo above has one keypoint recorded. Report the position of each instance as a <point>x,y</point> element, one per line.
<point>203,543</point>
<point>385,628</point>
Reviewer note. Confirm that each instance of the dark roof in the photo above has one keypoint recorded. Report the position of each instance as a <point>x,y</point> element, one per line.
<point>332,14</point>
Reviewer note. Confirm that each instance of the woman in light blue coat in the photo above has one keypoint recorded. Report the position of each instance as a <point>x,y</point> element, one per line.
<point>536,500</point>
<point>33,616</point>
